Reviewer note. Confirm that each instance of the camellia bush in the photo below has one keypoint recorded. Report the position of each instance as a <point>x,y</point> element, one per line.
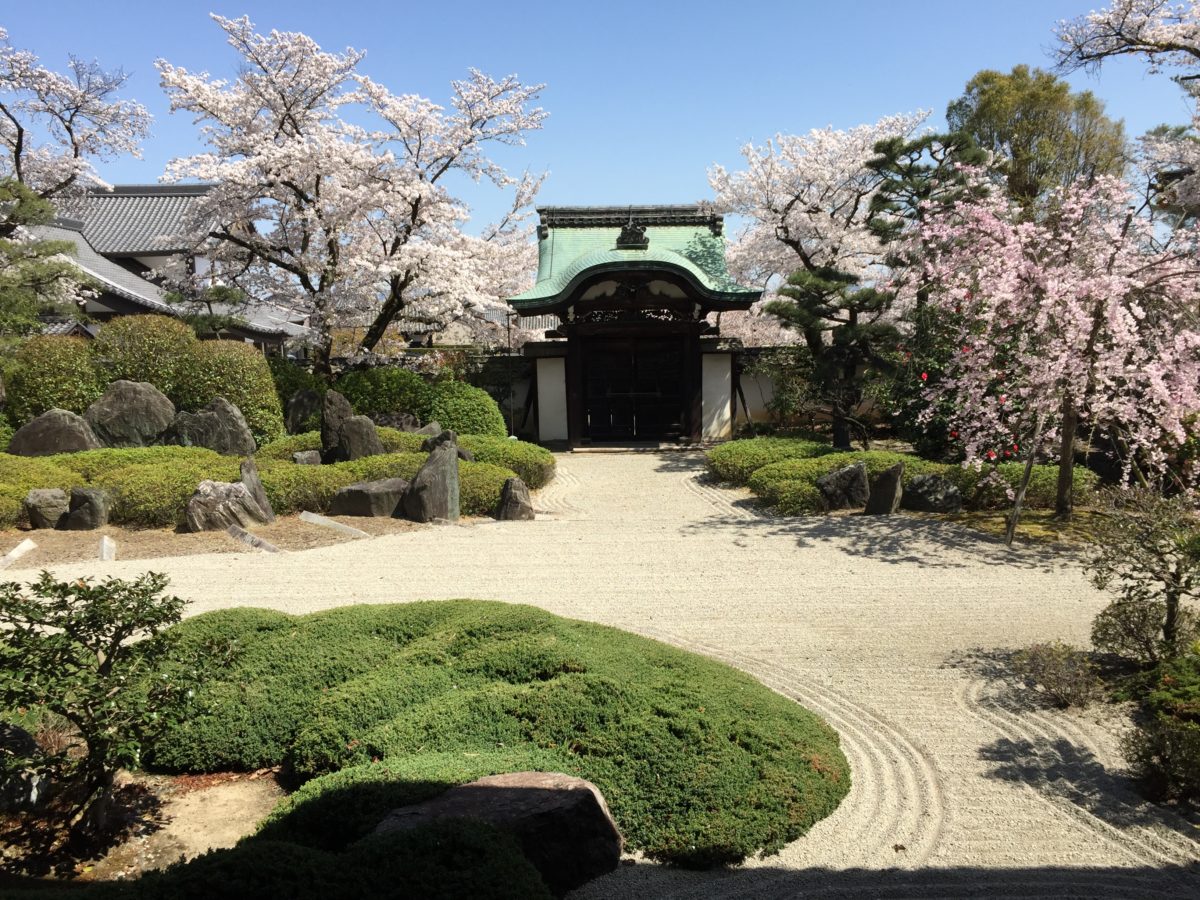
<point>466,409</point>
<point>387,390</point>
<point>239,373</point>
<point>149,348</point>
<point>50,372</point>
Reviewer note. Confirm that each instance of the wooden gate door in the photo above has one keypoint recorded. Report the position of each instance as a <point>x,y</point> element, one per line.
<point>634,389</point>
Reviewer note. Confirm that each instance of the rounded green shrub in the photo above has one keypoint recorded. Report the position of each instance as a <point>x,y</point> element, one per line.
<point>51,372</point>
<point>238,372</point>
<point>396,441</point>
<point>145,348</point>
<point>736,461</point>
<point>534,464</point>
<point>21,474</point>
<point>701,764</point>
<point>466,409</point>
<point>283,448</point>
<point>154,495</point>
<point>290,376</point>
<point>387,390</point>
<point>91,464</point>
<point>479,487</point>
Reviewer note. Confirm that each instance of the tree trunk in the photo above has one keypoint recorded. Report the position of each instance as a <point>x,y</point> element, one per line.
<point>1035,445</point>
<point>1171,623</point>
<point>322,359</point>
<point>841,428</point>
<point>92,818</point>
<point>1063,503</point>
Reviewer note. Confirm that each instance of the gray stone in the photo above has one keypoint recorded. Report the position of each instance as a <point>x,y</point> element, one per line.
<point>931,493</point>
<point>88,510</point>
<point>54,431</point>
<point>844,488</point>
<point>302,408</point>
<point>22,789</point>
<point>433,492</point>
<point>400,421</point>
<point>369,498</point>
<point>429,428</point>
<point>251,480</point>
<point>335,410</point>
<point>46,507</point>
<point>561,823</point>
<point>514,502</point>
<point>445,436</point>
<point>466,455</point>
<point>218,504</point>
<point>307,457</point>
<point>358,438</point>
<point>219,426</point>
<point>131,414</point>
<point>886,490</point>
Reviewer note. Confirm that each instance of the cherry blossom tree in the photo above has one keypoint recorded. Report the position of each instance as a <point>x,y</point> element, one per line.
<point>331,191</point>
<point>1077,317</point>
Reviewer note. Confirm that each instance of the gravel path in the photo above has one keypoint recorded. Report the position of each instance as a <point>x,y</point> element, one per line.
<point>896,630</point>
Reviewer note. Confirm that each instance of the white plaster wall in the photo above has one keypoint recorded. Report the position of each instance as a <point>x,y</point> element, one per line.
<point>716,392</point>
<point>552,399</point>
<point>758,391</point>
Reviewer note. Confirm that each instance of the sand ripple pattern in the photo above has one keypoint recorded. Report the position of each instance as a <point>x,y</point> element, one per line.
<point>556,498</point>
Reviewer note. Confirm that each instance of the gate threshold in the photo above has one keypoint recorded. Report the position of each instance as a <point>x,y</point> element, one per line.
<point>637,447</point>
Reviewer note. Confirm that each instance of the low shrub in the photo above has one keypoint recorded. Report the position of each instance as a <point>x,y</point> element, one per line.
<point>91,464</point>
<point>239,373</point>
<point>290,377</point>
<point>6,433</point>
<point>149,348</point>
<point>51,372</point>
<point>1133,629</point>
<point>1163,751</point>
<point>736,461</point>
<point>534,464</point>
<point>393,440</point>
<point>701,765</point>
<point>983,492</point>
<point>1064,674</point>
<point>396,441</point>
<point>387,390</point>
<point>154,494</point>
<point>466,409</point>
<point>21,474</point>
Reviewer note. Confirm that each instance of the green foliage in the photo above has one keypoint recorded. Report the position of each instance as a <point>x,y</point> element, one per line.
<point>52,372</point>
<point>387,390</point>
<point>393,440</point>
<point>534,464</point>
<point>700,764</point>
<point>92,464</point>
<point>468,410</point>
<point>93,654</point>
<point>154,495</point>
<point>290,377</point>
<point>794,397</point>
<point>1133,629</point>
<point>1065,674</point>
<point>149,348</point>
<point>396,441</point>
<point>21,474</point>
<point>1163,751</point>
<point>736,461</point>
<point>6,433</point>
<point>238,372</point>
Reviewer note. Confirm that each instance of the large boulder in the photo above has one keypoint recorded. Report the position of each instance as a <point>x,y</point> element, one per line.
<point>561,823</point>
<point>131,414</point>
<point>335,410</point>
<point>46,507</point>
<point>218,504</point>
<point>358,438</point>
<point>514,502</point>
<point>432,428</point>
<point>218,426</point>
<point>886,490</point>
<point>433,492</point>
<point>931,493</point>
<point>88,510</point>
<point>251,480</point>
<point>844,488</point>
<point>302,407</point>
<point>400,421</point>
<point>369,498</point>
<point>307,457</point>
<point>446,437</point>
<point>54,431</point>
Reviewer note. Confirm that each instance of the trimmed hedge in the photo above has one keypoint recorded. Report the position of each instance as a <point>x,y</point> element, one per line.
<point>91,464</point>
<point>701,764</point>
<point>466,409</point>
<point>534,464</point>
<point>21,474</point>
<point>393,440</point>
<point>154,495</point>
<point>387,390</point>
<point>48,372</point>
<point>736,461</point>
<point>239,373</point>
<point>149,348</point>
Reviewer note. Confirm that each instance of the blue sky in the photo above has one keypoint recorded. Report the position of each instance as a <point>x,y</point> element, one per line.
<point>643,96</point>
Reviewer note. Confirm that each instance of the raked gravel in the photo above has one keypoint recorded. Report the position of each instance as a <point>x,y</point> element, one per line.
<point>895,629</point>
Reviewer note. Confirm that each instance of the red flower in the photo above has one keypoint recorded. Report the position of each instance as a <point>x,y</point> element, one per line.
<point>991,454</point>
<point>1008,453</point>
<point>924,376</point>
<point>966,349</point>
<point>954,434</point>
<point>1015,448</point>
<point>1003,398</point>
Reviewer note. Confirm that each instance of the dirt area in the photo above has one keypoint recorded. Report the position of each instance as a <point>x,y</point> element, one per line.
<point>287,533</point>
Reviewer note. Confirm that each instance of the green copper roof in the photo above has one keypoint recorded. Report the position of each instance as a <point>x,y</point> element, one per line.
<point>568,254</point>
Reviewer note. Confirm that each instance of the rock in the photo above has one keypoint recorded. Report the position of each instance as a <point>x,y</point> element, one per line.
<point>131,414</point>
<point>335,410</point>
<point>442,437</point>
<point>433,492</point>
<point>400,421</point>
<point>88,510</point>
<point>369,498</point>
<point>514,502</point>
<point>886,491</point>
<point>302,407</point>
<point>251,480</point>
<point>46,507</point>
<point>429,428</point>
<point>22,789</point>
<point>466,455</point>
<point>307,457</point>
<point>218,504</point>
<point>54,431</point>
<point>218,426</point>
<point>931,493</point>
<point>561,823</point>
<point>844,488</point>
<point>358,438</point>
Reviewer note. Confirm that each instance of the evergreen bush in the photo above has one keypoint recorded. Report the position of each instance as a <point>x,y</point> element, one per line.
<point>736,461</point>
<point>149,348</point>
<point>387,390</point>
<point>466,409</point>
<point>51,372</point>
<point>238,372</point>
<point>534,464</point>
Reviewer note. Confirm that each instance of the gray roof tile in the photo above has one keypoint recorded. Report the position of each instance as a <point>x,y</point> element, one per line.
<point>137,219</point>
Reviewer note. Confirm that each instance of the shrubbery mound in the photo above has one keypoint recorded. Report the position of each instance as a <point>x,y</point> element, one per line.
<point>385,705</point>
<point>466,409</point>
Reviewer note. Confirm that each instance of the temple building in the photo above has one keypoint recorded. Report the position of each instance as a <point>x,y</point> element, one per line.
<point>633,357</point>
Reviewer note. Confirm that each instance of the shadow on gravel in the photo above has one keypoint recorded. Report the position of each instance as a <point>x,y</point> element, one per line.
<point>767,883</point>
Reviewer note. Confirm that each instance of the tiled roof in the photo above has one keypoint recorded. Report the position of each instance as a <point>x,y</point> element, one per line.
<point>112,278</point>
<point>67,327</point>
<point>137,219</point>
